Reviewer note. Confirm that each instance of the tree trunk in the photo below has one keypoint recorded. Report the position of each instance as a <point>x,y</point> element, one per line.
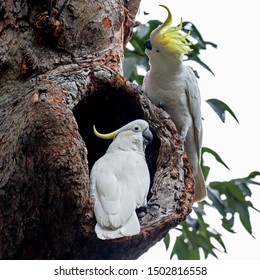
<point>60,74</point>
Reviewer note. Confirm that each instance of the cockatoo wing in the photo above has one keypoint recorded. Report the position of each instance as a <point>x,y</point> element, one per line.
<point>194,135</point>
<point>108,191</point>
<point>117,189</point>
<point>194,100</point>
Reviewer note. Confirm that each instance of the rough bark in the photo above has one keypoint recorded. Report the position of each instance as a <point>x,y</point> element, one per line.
<point>59,76</point>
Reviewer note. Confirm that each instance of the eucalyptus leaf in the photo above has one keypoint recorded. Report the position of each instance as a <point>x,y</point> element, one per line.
<point>228,224</point>
<point>184,250</point>
<point>190,28</point>
<point>245,189</point>
<point>254,174</point>
<point>166,241</point>
<point>243,212</point>
<point>193,223</point>
<point>180,249</point>
<point>205,171</point>
<point>235,191</point>
<point>217,202</point>
<point>194,57</point>
<point>218,238</point>
<point>214,154</point>
<point>211,44</point>
<point>220,108</point>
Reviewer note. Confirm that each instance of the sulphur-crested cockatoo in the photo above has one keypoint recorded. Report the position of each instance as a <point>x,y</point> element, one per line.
<point>173,85</point>
<point>119,181</point>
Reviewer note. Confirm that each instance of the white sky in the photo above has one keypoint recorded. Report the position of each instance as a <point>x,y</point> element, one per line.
<point>233,26</point>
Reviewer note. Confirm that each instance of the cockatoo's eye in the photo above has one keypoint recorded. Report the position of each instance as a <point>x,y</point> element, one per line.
<point>136,128</point>
<point>157,50</point>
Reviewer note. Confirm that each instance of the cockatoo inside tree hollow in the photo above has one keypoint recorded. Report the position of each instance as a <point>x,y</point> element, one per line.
<point>120,180</point>
<point>173,86</point>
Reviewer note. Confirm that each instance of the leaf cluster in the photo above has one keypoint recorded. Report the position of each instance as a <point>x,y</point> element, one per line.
<point>228,198</point>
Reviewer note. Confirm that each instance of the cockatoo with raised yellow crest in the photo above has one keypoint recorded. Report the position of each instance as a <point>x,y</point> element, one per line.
<point>173,85</point>
<point>120,180</point>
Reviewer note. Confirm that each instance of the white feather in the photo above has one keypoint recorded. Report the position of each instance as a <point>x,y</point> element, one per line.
<point>173,84</point>
<point>119,183</point>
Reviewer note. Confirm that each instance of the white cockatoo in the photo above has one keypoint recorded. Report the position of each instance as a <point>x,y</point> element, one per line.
<point>120,180</point>
<point>173,86</point>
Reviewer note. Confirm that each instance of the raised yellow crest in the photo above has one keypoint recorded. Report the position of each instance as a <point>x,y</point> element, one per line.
<point>171,37</point>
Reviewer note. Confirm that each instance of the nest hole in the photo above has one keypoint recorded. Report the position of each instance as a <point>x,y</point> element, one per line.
<point>109,110</point>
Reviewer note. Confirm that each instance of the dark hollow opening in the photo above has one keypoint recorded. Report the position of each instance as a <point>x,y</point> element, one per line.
<point>110,110</point>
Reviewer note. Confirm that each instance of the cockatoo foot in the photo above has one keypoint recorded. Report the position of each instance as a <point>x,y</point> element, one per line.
<point>141,212</point>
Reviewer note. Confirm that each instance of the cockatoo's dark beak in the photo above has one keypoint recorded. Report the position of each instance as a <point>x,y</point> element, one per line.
<point>148,45</point>
<point>147,136</point>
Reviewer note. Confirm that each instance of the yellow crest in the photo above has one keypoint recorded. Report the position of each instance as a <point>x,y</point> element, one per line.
<point>171,37</point>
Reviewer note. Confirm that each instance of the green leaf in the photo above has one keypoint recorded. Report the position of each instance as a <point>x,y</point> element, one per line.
<point>183,250</point>
<point>166,241</point>
<point>205,171</point>
<point>193,56</point>
<point>190,28</point>
<point>193,223</point>
<point>236,191</point>
<point>217,202</point>
<point>198,234</point>
<point>180,248</point>
<point>201,241</point>
<point>211,44</point>
<point>138,46</point>
<point>254,174</point>
<point>220,108</point>
<point>252,206</point>
<point>214,154</point>
<point>228,224</point>
<point>242,209</point>
<point>217,237</point>
<point>153,24</point>
<point>244,188</point>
